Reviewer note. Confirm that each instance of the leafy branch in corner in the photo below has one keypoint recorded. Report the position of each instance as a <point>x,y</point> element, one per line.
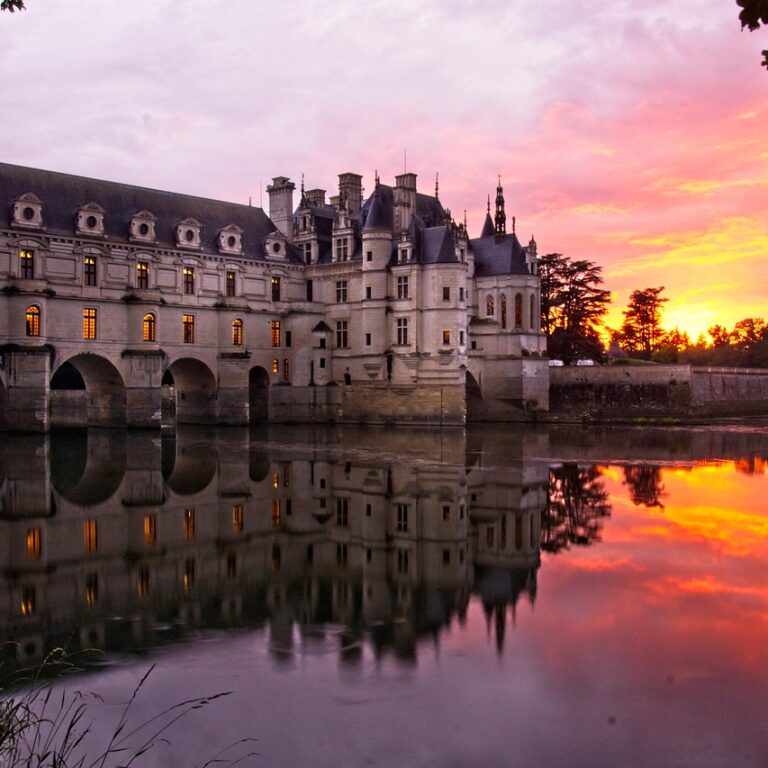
<point>753,14</point>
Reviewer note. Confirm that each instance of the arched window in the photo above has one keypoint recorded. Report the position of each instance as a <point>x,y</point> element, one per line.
<point>149,327</point>
<point>237,332</point>
<point>519,310</point>
<point>489,306</point>
<point>533,313</point>
<point>33,320</point>
<point>503,310</point>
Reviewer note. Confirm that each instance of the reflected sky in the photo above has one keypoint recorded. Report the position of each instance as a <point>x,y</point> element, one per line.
<point>479,598</point>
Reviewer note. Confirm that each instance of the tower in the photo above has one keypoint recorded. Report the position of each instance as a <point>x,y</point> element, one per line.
<point>281,204</point>
<point>500,220</point>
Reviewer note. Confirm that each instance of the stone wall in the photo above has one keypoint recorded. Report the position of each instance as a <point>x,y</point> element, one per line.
<point>660,391</point>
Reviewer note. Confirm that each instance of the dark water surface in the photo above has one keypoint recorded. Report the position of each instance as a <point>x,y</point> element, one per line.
<point>494,597</point>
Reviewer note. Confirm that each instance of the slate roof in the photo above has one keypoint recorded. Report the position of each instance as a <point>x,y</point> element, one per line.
<point>63,194</point>
<point>437,246</point>
<point>488,228</point>
<point>506,257</point>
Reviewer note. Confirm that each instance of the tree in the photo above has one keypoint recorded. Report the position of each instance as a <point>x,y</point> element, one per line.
<point>753,13</point>
<point>641,331</point>
<point>11,5</point>
<point>572,306</point>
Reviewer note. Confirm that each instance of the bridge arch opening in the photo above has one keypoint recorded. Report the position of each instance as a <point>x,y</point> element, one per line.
<point>191,389</point>
<point>474,397</point>
<point>87,390</point>
<point>258,394</point>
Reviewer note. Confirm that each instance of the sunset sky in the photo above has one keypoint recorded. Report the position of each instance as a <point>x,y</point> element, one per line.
<point>634,134</point>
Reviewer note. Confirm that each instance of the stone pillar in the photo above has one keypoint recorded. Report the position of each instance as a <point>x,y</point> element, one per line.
<point>233,396</point>
<point>28,375</point>
<point>143,375</point>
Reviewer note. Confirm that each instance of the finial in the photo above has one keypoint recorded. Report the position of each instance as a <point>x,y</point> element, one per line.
<point>499,181</point>
<point>488,209</point>
<point>437,186</point>
<point>302,185</point>
<point>250,203</point>
<point>513,225</point>
<point>376,179</point>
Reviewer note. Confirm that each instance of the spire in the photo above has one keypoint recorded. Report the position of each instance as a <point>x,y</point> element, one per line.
<point>376,179</point>
<point>513,224</point>
<point>437,186</point>
<point>488,209</point>
<point>303,196</point>
<point>500,220</point>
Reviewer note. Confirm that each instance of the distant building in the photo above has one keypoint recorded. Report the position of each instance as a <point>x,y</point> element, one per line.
<point>124,305</point>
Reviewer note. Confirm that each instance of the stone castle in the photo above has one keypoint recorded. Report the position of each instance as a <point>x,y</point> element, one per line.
<point>121,305</point>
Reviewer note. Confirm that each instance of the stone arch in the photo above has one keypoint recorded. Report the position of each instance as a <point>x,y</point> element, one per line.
<point>258,394</point>
<point>193,389</point>
<point>474,397</point>
<point>533,312</point>
<point>87,390</point>
<point>87,467</point>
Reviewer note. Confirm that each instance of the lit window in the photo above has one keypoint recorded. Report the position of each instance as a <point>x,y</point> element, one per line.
<point>28,601</point>
<point>189,280</point>
<point>142,274</point>
<point>237,332</point>
<point>148,330</point>
<point>34,543</point>
<point>275,366</point>
<point>188,328</point>
<point>33,321</point>
<point>89,270</point>
<point>342,333</point>
<point>446,337</point>
<point>27,264</point>
<point>150,529</point>
<point>402,287</point>
<point>230,284</point>
<point>237,518</point>
<point>189,525</point>
<point>275,289</point>
<point>189,574</point>
<point>275,329</point>
<point>89,323</point>
<point>92,589</point>
<point>276,513</point>
<point>91,535</point>
<point>402,518</point>
<point>341,291</point>
<point>402,330</point>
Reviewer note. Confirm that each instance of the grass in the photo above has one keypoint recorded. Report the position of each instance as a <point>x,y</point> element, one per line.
<point>43,725</point>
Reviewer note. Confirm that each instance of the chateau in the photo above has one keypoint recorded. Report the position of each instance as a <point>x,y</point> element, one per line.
<point>121,305</point>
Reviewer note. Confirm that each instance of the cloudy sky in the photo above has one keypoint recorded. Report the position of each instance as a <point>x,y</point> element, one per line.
<point>631,133</point>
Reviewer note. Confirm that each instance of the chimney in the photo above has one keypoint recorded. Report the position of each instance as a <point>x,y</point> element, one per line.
<point>351,191</point>
<point>281,204</point>
<point>315,197</point>
<point>405,200</point>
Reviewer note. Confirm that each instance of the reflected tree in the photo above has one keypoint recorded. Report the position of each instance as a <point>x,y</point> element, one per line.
<point>576,504</point>
<point>645,485</point>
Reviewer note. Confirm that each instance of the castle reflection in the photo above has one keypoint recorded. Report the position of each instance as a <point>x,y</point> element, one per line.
<point>121,541</point>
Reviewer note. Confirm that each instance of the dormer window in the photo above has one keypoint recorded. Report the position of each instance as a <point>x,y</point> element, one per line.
<point>342,249</point>
<point>275,247</point>
<point>28,212</point>
<point>142,228</point>
<point>188,234</point>
<point>90,220</point>
<point>404,255</point>
<point>231,239</point>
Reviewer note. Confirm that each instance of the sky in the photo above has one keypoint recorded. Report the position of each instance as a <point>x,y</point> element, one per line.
<point>632,134</point>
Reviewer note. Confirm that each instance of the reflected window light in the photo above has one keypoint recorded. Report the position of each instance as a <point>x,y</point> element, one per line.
<point>276,556</point>
<point>142,583</point>
<point>92,589</point>
<point>91,534</point>
<point>237,518</point>
<point>150,528</point>
<point>189,524</point>
<point>34,543</point>
<point>276,513</point>
<point>275,479</point>
<point>231,566</point>
<point>287,475</point>
<point>28,601</point>
<point>189,574</point>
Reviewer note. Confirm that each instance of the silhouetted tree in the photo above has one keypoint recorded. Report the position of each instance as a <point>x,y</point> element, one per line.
<point>641,332</point>
<point>11,5</point>
<point>572,306</point>
<point>754,13</point>
<point>576,503</point>
<point>645,486</point>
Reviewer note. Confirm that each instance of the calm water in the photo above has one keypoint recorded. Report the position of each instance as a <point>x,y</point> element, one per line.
<point>494,597</point>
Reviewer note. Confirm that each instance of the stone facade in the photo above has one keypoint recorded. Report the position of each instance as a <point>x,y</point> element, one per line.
<point>128,306</point>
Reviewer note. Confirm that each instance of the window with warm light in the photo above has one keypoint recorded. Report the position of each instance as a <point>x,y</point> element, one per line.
<point>28,601</point>
<point>89,322</point>
<point>26,264</point>
<point>275,289</point>
<point>230,284</point>
<point>237,332</point>
<point>91,535</point>
<point>150,528</point>
<point>34,543</point>
<point>32,316</point>
<point>189,280</point>
<point>188,328</point>
<point>274,327</point>
<point>142,274</point>
<point>89,270</point>
<point>238,518</point>
<point>92,589</point>
<point>189,525</point>
<point>276,513</point>
<point>275,366</point>
<point>446,337</point>
<point>148,327</point>
<point>189,574</point>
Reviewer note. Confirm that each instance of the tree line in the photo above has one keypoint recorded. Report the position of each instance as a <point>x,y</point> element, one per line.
<point>573,307</point>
